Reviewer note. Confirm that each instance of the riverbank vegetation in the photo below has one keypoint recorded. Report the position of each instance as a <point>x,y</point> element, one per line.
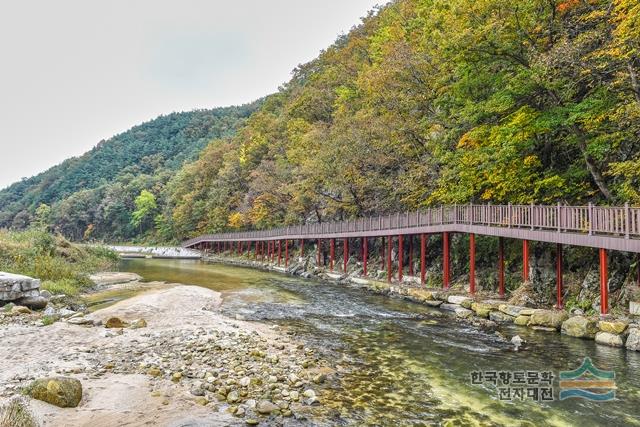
<point>63,267</point>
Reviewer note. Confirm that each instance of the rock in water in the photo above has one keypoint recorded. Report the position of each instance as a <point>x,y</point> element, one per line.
<point>633,340</point>
<point>16,413</point>
<point>613,326</point>
<point>580,327</point>
<point>114,323</point>
<point>59,391</point>
<point>609,339</point>
<point>548,318</point>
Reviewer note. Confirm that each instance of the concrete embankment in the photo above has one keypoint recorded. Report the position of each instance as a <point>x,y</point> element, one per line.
<point>485,311</point>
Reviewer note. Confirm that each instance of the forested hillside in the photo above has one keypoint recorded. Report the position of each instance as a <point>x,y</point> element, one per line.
<point>435,101</point>
<point>96,195</point>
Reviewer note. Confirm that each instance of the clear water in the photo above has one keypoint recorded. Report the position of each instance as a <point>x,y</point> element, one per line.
<point>406,364</point>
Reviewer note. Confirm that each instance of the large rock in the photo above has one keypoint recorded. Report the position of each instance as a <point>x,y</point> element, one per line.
<point>609,339</point>
<point>633,339</point>
<point>483,309</point>
<point>35,303</point>
<point>265,407</point>
<point>457,299</point>
<point>59,391</point>
<point>16,286</point>
<point>548,318</point>
<point>511,310</point>
<point>500,317</point>
<point>114,323</point>
<point>521,320</point>
<point>613,326</point>
<point>579,326</point>
<point>463,313</point>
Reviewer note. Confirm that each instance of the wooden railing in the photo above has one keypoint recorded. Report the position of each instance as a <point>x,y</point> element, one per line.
<point>593,220</point>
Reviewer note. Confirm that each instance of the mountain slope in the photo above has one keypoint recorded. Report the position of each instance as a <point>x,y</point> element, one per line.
<point>153,150</point>
<point>435,101</point>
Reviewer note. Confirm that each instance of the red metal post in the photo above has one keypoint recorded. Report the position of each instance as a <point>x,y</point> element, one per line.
<point>332,253</point>
<point>400,257</point>
<point>445,260</point>
<point>279,251</point>
<point>345,253</point>
<point>411,255</point>
<point>472,263</point>
<point>559,303</point>
<point>604,282</point>
<point>382,253</point>
<point>501,267</point>
<point>365,254</point>
<point>286,253</point>
<point>423,254</point>
<point>319,252</point>
<point>389,265</point>
<point>525,260</point>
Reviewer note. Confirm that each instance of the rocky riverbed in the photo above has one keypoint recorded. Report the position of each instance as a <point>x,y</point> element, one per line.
<point>171,358</point>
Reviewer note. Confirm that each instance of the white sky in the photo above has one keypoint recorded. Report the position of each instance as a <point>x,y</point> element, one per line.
<point>73,72</point>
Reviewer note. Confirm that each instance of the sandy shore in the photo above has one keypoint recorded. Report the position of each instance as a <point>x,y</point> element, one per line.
<point>113,367</point>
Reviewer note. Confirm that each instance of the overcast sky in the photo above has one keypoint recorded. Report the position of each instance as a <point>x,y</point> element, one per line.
<point>73,72</point>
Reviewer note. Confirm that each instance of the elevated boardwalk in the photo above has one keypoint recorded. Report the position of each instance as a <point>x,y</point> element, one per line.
<point>604,228</point>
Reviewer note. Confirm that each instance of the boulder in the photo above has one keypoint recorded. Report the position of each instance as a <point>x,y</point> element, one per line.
<point>138,323</point>
<point>579,326</point>
<point>521,320</point>
<point>434,303</point>
<point>633,339</point>
<point>613,326</point>
<point>527,311</point>
<point>463,313</point>
<point>500,317</point>
<point>607,338</point>
<point>265,407</point>
<point>449,307</point>
<point>34,302</point>
<point>482,309</point>
<point>19,309</point>
<point>114,323</point>
<point>63,392</point>
<point>634,308</point>
<point>511,310</point>
<point>457,299</point>
<point>548,318</point>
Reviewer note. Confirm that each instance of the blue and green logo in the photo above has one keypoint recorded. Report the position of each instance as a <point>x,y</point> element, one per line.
<point>588,382</point>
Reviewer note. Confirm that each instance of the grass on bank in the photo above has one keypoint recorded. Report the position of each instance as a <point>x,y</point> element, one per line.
<point>62,266</point>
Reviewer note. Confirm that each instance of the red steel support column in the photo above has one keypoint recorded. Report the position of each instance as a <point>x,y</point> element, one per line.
<point>411,255</point>
<point>382,253</point>
<point>472,263</point>
<point>365,254</point>
<point>389,265</point>
<point>501,267</point>
<point>445,260</point>
<point>345,253</point>
<point>525,260</point>
<point>604,282</point>
<point>286,253</point>
<point>423,254</point>
<point>332,253</point>
<point>559,303</point>
<point>400,257</point>
<point>279,251</point>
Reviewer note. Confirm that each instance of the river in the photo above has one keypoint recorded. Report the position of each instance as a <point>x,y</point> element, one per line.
<point>407,364</point>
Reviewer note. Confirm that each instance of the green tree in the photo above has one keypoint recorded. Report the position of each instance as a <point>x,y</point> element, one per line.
<point>146,209</point>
